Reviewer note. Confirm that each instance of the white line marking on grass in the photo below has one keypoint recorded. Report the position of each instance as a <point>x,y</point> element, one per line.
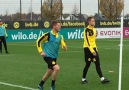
<point>123,45</point>
<point>68,46</point>
<point>7,55</point>
<point>71,51</point>
<point>107,48</point>
<point>17,86</point>
<point>117,40</point>
<point>74,47</point>
<point>21,45</point>
<point>99,46</point>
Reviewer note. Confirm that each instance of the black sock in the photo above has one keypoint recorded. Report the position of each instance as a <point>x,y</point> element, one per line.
<point>53,83</point>
<point>41,83</point>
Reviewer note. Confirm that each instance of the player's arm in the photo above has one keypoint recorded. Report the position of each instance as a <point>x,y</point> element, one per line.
<point>63,44</point>
<point>6,35</point>
<point>39,41</point>
<point>86,39</point>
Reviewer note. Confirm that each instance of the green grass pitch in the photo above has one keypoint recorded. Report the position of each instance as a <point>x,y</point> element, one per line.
<point>25,67</point>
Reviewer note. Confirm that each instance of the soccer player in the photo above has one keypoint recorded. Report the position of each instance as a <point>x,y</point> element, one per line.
<point>90,51</point>
<point>51,42</point>
<point>3,34</point>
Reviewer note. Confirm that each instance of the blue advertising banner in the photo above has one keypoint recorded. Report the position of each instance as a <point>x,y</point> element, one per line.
<point>31,35</point>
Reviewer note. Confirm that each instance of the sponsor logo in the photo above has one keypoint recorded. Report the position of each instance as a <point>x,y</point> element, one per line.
<point>46,24</point>
<point>16,25</point>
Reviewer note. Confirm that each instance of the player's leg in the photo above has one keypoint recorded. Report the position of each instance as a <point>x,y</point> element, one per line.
<point>56,69</point>
<point>5,45</point>
<point>46,76</point>
<point>85,70</point>
<point>48,73</point>
<point>44,79</point>
<point>98,69</point>
<point>87,56</point>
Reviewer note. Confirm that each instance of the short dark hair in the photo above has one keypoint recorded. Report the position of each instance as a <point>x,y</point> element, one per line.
<point>54,22</point>
<point>89,18</point>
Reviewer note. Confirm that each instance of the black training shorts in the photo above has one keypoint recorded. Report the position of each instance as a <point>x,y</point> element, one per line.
<point>50,61</point>
<point>89,56</point>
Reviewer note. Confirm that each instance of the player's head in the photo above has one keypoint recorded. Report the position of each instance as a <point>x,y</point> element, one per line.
<point>91,21</point>
<point>56,25</point>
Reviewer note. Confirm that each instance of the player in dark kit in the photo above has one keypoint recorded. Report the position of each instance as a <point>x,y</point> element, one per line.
<point>3,34</point>
<point>90,51</point>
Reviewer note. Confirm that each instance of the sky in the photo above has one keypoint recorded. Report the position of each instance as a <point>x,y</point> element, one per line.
<point>89,7</point>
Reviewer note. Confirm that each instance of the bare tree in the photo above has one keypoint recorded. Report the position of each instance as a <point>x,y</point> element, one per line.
<point>16,16</point>
<point>6,12</point>
<point>75,10</point>
<point>6,16</point>
<point>126,16</point>
<point>111,9</point>
<point>51,9</point>
<point>30,13</point>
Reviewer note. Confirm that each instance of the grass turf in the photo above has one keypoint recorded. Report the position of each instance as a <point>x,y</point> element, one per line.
<point>25,67</point>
